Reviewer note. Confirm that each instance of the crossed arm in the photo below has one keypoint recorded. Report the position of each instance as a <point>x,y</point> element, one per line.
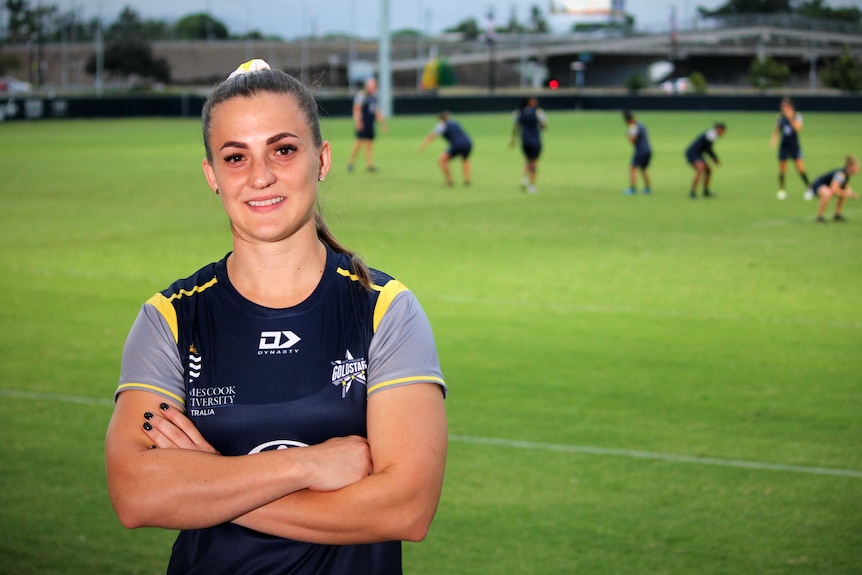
<point>343,491</point>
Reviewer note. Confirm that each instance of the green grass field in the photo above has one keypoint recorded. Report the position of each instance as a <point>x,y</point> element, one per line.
<point>637,384</point>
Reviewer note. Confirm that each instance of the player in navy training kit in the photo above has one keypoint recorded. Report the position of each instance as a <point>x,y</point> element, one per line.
<point>281,407</point>
<point>366,112</point>
<point>787,128</point>
<point>637,134</point>
<point>459,145</point>
<point>529,120</point>
<point>694,154</point>
<point>835,183</point>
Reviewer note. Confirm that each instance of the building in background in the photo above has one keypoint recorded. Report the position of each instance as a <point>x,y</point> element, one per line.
<point>567,15</point>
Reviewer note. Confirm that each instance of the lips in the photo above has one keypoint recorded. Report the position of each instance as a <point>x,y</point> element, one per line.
<point>265,203</point>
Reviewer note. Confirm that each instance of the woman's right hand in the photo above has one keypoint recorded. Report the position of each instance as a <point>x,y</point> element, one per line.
<point>337,462</point>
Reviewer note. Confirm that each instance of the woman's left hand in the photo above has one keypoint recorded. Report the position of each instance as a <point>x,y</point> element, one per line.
<point>170,428</point>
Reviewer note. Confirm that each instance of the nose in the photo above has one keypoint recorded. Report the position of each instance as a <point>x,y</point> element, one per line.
<point>261,175</point>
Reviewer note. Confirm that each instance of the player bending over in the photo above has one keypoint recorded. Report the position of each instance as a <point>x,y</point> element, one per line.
<point>700,147</point>
<point>835,183</point>
<point>459,145</point>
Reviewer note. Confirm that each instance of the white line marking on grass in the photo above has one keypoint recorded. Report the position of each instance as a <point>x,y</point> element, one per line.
<point>58,397</point>
<point>586,449</point>
<point>533,445</point>
<point>624,310</point>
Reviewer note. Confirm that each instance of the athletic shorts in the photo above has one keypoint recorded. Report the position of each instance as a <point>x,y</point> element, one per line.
<point>532,151</point>
<point>641,160</point>
<point>463,151</point>
<point>789,152</point>
<point>693,157</point>
<point>366,133</point>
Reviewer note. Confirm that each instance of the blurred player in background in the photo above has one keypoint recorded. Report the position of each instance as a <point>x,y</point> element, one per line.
<point>638,137</point>
<point>365,113</point>
<point>787,128</point>
<point>700,147</point>
<point>835,183</point>
<point>529,121</point>
<point>459,145</point>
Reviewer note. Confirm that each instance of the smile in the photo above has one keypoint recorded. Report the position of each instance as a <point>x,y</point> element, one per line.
<point>264,203</point>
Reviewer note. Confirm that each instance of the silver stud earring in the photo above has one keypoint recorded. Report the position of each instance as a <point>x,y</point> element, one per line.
<point>321,177</point>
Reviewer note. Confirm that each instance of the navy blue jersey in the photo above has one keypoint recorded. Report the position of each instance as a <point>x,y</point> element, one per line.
<point>838,175</point>
<point>642,149</point>
<point>459,142</point>
<point>368,112</point>
<point>789,135</point>
<point>530,121</point>
<point>641,139</point>
<point>253,378</point>
<point>789,147</point>
<point>453,133</point>
<point>702,145</point>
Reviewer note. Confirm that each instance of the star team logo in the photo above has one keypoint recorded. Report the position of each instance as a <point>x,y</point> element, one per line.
<point>346,371</point>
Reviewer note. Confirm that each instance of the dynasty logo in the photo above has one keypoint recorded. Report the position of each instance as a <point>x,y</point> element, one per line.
<point>277,343</point>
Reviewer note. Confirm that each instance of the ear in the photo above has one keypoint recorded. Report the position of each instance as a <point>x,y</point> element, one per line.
<point>325,159</point>
<point>210,174</point>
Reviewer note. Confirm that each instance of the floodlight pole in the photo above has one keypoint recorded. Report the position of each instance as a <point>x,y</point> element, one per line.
<point>384,62</point>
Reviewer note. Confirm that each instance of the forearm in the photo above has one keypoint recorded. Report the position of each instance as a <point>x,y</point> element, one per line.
<point>184,483</point>
<point>408,439</point>
<point>369,511</point>
<point>184,489</point>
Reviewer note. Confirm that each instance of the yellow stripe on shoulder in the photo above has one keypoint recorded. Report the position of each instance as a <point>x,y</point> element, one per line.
<point>384,300</point>
<point>163,304</point>
<point>387,294</point>
<point>168,312</point>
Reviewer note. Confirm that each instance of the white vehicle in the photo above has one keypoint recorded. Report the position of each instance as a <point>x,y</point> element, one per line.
<point>11,85</point>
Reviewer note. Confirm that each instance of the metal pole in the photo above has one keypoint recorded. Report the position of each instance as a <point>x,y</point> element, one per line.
<point>100,53</point>
<point>384,61</point>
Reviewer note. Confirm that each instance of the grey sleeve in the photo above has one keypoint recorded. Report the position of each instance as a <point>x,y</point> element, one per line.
<point>151,361</point>
<point>402,350</point>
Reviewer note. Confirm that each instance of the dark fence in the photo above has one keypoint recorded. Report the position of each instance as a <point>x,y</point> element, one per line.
<point>33,108</point>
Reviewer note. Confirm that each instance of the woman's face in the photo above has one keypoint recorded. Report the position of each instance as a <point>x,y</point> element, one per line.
<point>265,166</point>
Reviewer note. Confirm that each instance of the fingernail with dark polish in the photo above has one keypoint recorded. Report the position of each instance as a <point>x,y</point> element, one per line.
<point>148,415</point>
<point>148,426</point>
<point>164,406</point>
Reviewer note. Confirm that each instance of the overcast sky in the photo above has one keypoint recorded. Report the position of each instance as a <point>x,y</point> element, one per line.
<point>289,18</point>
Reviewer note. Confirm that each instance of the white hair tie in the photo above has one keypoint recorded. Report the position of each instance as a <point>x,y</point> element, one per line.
<point>254,65</point>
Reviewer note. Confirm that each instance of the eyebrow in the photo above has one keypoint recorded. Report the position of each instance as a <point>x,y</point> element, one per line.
<point>269,141</point>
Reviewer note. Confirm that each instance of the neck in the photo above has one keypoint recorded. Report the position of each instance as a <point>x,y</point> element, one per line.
<point>278,275</point>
